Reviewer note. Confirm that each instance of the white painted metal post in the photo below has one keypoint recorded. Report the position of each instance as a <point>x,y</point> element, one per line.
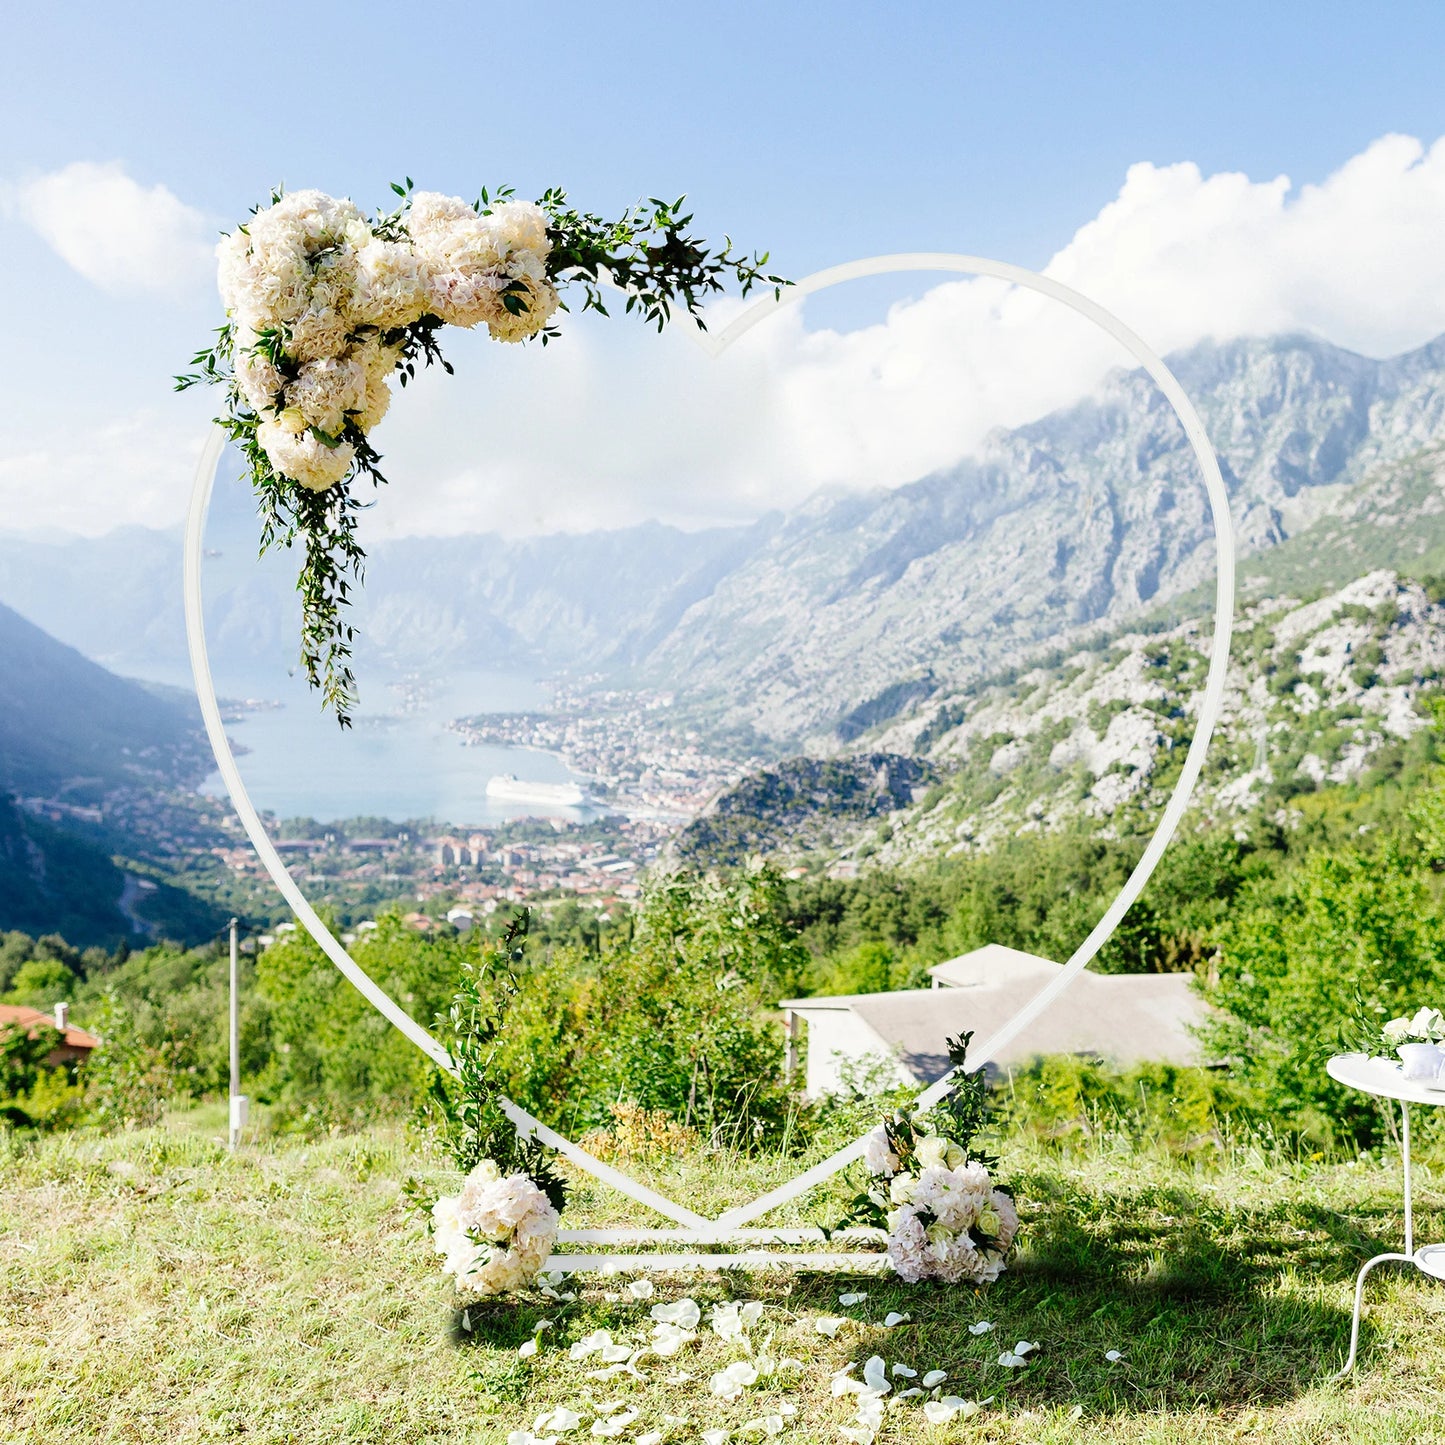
<point>236,1098</point>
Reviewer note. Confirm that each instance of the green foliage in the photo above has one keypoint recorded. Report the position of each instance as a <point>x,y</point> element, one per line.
<point>1185,1110</point>
<point>680,1019</point>
<point>1315,959</point>
<point>129,1080</point>
<point>332,1059</point>
<point>466,1108</point>
<point>40,983</point>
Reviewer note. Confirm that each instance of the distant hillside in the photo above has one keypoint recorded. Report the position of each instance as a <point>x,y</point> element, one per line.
<point>803,805</point>
<point>92,766</point>
<point>71,730</point>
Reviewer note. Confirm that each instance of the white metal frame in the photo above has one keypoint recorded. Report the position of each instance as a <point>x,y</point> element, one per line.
<point>729,1227</point>
<point>1391,1084</point>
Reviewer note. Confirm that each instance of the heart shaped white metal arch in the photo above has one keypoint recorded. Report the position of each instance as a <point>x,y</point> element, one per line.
<point>728,1226</point>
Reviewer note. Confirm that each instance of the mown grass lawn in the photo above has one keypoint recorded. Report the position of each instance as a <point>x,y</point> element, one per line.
<point>155,1288</point>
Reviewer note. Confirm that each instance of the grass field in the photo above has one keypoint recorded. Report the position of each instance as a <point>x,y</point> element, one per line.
<point>155,1288</point>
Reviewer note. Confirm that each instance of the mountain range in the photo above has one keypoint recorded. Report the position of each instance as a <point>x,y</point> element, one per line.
<point>805,628</point>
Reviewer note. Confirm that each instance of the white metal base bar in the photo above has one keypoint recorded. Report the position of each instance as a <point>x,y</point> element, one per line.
<point>627,1263</point>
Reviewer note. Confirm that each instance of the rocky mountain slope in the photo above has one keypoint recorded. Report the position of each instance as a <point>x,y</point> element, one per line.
<point>1320,692</point>
<point>803,629</point>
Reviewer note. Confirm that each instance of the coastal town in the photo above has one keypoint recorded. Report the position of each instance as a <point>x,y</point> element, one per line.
<point>636,757</point>
<point>641,778</point>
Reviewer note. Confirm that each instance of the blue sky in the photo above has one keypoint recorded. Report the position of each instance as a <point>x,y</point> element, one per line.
<point>812,128</point>
<point>823,132</point>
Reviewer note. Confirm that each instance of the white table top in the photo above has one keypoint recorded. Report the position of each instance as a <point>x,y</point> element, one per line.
<point>1372,1075</point>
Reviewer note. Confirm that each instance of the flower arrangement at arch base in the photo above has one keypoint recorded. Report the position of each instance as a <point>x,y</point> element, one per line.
<point>496,1234</point>
<point>932,1193</point>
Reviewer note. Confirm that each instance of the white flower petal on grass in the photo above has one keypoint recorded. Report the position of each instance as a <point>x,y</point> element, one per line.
<point>981,1328</point>
<point>940,1412</point>
<point>843,1382</point>
<point>829,1324</point>
<point>731,1382</point>
<point>894,1318</point>
<point>789,1366</point>
<point>680,1377</point>
<point>612,1353</point>
<point>764,1424</point>
<point>787,1407</point>
<point>1026,1347</point>
<point>467,1321</point>
<point>1113,1356</point>
<point>714,1437</point>
<point>875,1374</point>
<point>527,1348</point>
<point>590,1344</point>
<point>668,1339</point>
<point>641,1288</point>
<point>1011,1361</point>
<point>899,1368</point>
<point>870,1409</point>
<point>855,1298</point>
<point>934,1377</point>
<point>560,1420</point>
<point>684,1313</point>
<point>912,1394</point>
<point>653,1437</point>
<point>858,1434</point>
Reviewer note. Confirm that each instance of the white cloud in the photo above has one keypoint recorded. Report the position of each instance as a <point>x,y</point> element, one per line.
<point>614,424</point>
<point>628,426</point>
<point>117,233</point>
<point>89,479</point>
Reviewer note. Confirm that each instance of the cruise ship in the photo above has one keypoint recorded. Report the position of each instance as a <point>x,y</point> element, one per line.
<point>509,788</point>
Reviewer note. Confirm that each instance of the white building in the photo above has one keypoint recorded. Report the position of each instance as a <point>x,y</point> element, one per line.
<point>1125,1018</point>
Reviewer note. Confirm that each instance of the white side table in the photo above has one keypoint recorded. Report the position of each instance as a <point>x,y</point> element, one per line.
<point>1384,1078</point>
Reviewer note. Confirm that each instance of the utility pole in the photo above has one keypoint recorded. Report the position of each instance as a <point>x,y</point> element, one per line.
<point>237,1098</point>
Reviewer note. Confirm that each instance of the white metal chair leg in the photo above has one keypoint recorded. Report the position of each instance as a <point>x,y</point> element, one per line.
<point>1359,1302</point>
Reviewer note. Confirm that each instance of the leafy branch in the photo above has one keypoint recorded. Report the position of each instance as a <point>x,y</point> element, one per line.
<point>465,1108</point>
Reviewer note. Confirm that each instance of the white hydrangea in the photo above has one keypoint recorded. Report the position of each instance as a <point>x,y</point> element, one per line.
<point>301,456</point>
<point>430,212</point>
<point>956,1196</point>
<point>497,1234</point>
<point>522,225</point>
<point>325,390</point>
<point>256,378</point>
<point>391,286</point>
<point>541,302</point>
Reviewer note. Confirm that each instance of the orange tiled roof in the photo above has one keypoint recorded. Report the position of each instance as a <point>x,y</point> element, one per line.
<point>30,1018</point>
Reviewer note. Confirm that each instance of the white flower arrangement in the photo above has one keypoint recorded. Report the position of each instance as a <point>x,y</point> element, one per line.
<point>496,1235</point>
<point>945,1219</point>
<point>1425,1026</point>
<point>326,305</point>
<point>932,1195</point>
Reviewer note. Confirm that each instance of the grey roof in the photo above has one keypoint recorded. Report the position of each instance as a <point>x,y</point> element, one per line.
<point>992,964</point>
<point>1127,1018</point>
